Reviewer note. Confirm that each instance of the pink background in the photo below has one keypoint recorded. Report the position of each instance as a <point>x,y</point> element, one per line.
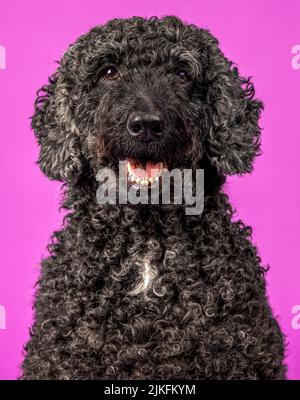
<point>258,35</point>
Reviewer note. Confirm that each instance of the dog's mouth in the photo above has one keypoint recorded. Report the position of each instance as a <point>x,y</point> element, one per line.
<point>144,173</point>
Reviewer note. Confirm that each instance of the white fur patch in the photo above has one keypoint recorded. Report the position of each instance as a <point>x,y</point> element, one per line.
<point>148,273</point>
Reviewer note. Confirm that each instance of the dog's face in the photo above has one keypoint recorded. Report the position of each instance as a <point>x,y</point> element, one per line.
<point>156,93</point>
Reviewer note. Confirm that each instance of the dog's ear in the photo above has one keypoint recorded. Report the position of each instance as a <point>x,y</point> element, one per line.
<point>233,138</point>
<point>56,132</point>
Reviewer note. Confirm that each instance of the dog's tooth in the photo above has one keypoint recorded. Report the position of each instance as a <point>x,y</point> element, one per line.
<point>156,178</point>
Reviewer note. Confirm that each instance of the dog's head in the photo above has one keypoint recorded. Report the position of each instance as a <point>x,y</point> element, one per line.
<point>156,93</point>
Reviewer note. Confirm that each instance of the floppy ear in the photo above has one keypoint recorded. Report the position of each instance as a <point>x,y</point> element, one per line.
<point>56,132</point>
<point>233,138</point>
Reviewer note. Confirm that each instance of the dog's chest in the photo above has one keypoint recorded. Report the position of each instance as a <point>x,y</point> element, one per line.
<point>159,311</point>
<point>159,280</point>
<point>155,268</point>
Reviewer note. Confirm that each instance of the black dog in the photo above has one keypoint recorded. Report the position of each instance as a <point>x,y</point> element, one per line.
<point>148,292</point>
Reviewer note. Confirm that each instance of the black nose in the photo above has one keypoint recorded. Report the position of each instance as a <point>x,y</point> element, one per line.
<point>146,127</point>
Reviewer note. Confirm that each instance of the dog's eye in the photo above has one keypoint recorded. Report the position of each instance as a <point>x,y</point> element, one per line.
<point>110,73</point>
<point>183,75</point>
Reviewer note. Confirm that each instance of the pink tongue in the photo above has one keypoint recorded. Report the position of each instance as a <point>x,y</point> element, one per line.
<point>150,170</point>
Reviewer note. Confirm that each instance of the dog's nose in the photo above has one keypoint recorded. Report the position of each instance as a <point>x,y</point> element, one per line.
<point>146,127</point>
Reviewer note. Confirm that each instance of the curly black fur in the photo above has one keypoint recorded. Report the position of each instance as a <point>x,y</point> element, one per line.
<point>206,314</point>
